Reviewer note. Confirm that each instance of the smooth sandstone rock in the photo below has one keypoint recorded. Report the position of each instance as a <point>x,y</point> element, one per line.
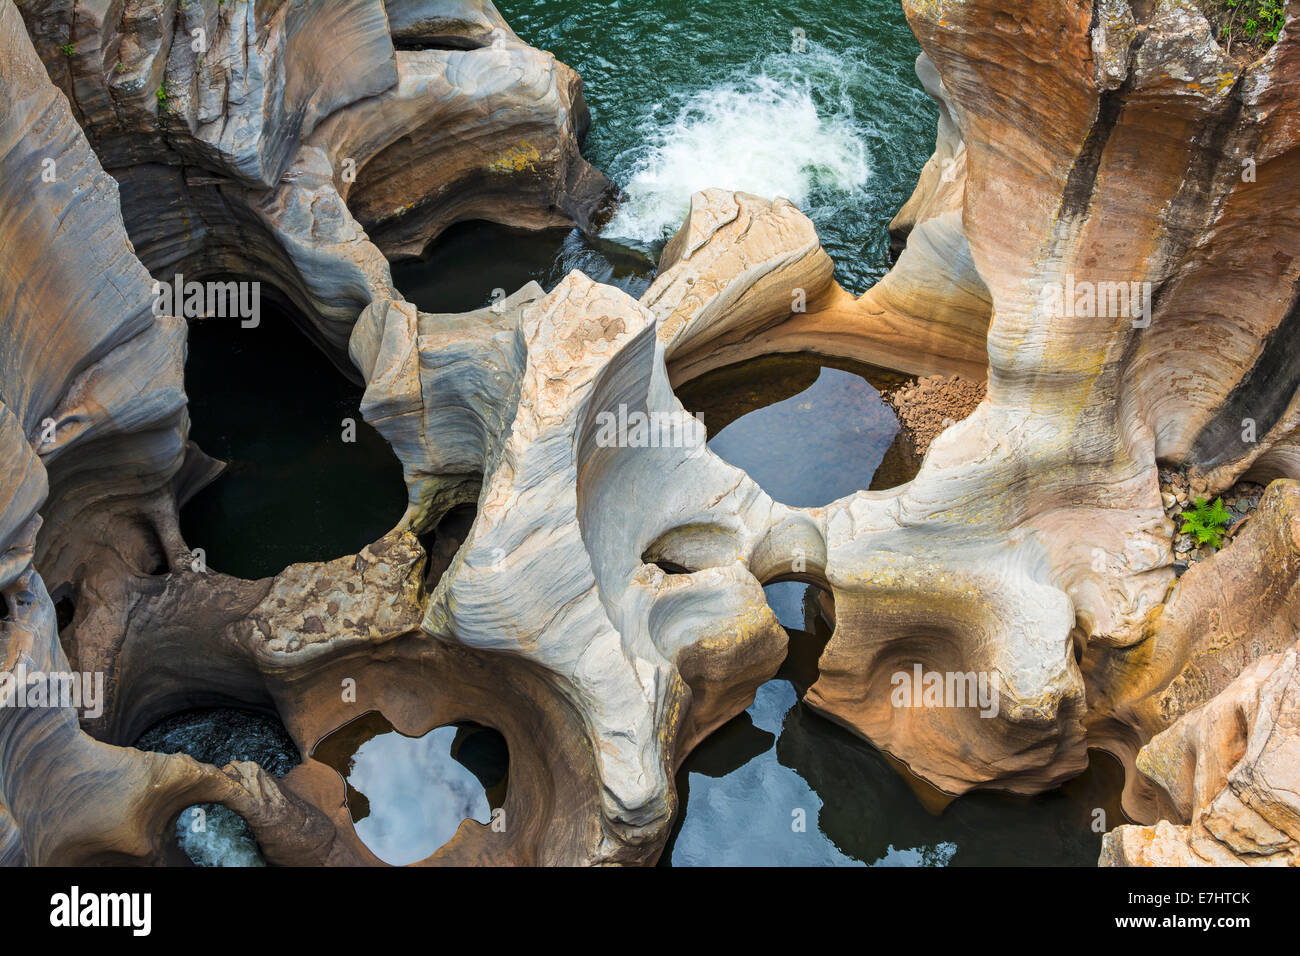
<point>111,396</point>
<point>1082,150</point>
<point>1227,771</point>
<point>251,155</point>
<point>1224,614</point>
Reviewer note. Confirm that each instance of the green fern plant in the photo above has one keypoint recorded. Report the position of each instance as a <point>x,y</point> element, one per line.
<point>1263,23</point>
<point>1206,523</point>
<point>67,49</point>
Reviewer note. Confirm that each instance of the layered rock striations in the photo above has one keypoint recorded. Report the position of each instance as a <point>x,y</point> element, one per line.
<point>210,158</point>
<point>1139,152</point>
<point>1228,769</point>
<point>1104,242</point>
<point>273,141</point>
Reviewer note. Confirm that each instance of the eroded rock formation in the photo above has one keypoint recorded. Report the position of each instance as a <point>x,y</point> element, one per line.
<point>1082,146</point>
<point>274,141</point>
<point>1229,767</point>
<point>224,170</point>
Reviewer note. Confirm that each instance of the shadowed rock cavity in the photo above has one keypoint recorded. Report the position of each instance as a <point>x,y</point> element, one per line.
<point>474,264</point>
<point>211,834</point>
<point>295,450</point>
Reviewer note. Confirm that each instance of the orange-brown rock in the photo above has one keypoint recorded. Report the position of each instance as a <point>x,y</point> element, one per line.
<point>928,406</point>
<point>1223,615</point>
<point>1085,242</point>
<point>1226,774</point>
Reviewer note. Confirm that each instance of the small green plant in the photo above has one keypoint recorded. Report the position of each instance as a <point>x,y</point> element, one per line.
<point>1263,23</point>
<point>162,94</point>
<point>1206,523</point>
<point>67,49</point>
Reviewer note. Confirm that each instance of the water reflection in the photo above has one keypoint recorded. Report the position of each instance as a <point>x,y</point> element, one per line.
<point>743,788</point>
<point>809,433</point>
<point>408,795</point>
<point>743,807</point>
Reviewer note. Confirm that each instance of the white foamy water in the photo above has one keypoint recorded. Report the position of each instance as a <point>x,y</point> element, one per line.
<point>763,134</point>
<point>217,837</point>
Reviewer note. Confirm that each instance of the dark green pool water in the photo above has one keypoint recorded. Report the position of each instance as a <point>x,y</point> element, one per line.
<point>471,261</point>
<point>272,404</point>
<point>686,95</point>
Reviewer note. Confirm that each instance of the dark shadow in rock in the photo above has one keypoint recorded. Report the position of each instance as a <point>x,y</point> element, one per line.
<point>668,567</point>
<point>485,754</point>
<point>65,609</point>
<point>442,543</point>
<point>308,479</point>
<point>475,263</point>
<point>449,42</point>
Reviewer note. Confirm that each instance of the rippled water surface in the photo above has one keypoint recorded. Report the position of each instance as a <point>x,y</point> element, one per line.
<point>687,95</point>
<point>210,834</point>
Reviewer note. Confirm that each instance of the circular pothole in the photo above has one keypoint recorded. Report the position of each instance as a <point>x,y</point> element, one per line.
<point>209,834</point>
<point>308,479</point>
<point>408,796</point>
<point>808,432</point>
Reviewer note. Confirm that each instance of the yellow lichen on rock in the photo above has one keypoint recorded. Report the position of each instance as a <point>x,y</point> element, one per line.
<point>517,159</point>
